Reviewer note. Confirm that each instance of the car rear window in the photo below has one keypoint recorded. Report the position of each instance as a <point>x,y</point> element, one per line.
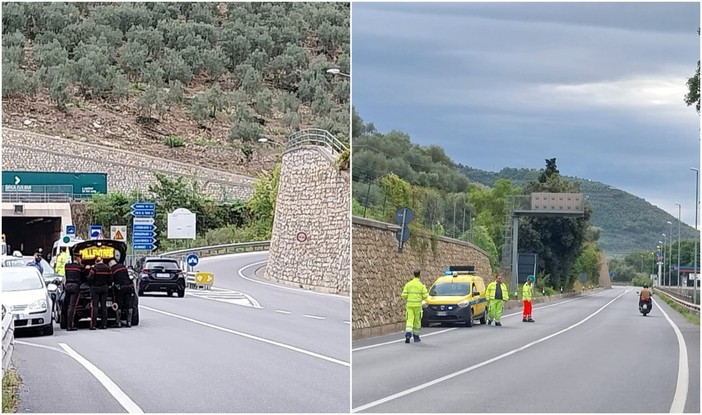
<point>166,265</point>
<point>450,288</point>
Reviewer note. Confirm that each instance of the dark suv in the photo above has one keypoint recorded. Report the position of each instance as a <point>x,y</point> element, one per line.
<point>107,249</point>
<point>160,274</point>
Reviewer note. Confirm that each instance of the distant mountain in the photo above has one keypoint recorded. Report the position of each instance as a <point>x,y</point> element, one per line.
<point>628,222</point>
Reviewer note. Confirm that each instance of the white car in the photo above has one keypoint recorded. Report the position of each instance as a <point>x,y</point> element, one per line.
<point>26,295</point>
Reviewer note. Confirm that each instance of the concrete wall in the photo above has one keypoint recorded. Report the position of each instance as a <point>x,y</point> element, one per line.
<point>380,272</point>
<point>126,171</point>
<point>314,198</point>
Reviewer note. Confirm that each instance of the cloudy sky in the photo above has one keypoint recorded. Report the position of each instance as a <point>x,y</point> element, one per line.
<point>599,86</point>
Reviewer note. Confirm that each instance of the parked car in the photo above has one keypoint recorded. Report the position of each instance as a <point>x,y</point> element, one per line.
<point>51,278</point>
<point>160,274</point>
<point>108,249</point>
<point>25,293</point>
<point>457,297</point>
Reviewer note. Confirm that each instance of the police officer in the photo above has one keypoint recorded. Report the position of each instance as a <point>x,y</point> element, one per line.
<point>100,279</point>
<point>125,291</point>
<point>74,276</point>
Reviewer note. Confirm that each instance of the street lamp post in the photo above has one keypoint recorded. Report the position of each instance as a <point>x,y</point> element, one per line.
<point>679,209</point>
<point>670,257</point>
<point>697,233</point>
<point>337,71</point>
<point>641,268</point>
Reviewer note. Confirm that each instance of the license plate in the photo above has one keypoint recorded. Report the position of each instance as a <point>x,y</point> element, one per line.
<point>163,275</point>
<point>108,303</point>
<point>441,313</point>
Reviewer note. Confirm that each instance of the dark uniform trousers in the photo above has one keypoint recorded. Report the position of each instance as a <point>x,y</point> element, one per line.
<point>126,297</point>
<point>98,295</point>
<point>72,296</point>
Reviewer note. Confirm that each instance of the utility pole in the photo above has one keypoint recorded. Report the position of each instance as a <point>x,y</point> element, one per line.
<point>697,234</point>
<point>679,208</point>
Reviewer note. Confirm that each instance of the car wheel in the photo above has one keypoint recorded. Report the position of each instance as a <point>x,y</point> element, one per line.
<point>49,330</point>
<point>483,318</point>
<point>181,293</point>
<point>425,323</point>
<point>469,318</point>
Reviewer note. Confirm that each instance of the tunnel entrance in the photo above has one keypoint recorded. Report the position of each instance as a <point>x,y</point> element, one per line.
<point>25,234</point>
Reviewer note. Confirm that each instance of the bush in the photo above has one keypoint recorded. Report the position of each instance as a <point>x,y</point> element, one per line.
<point>173,141</point>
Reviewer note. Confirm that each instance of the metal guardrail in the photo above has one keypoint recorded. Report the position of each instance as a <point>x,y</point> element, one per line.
<point>205,251</point>
<point>317,137</point>
<point>674,296</point>
<point>8,338</point>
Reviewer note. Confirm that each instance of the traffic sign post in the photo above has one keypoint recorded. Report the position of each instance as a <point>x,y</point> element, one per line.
<point>192,260</point>
<point>143,228</point>
<point>70,229</point>
<point>403,217</point>
<point>95,231</point>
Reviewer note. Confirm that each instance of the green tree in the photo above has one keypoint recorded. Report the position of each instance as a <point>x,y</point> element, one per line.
<point>244,126</point>
<point>262,201</point>
<point>133,55</point>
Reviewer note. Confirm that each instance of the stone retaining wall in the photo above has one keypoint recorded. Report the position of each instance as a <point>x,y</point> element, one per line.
<point>126,171</point>
<point>380,272</point>
<point>311,238</point>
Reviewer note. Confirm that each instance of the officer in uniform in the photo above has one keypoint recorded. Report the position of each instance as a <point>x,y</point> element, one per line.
<point>100,279</point>
<point>125,290</point>
<point>74,276</point>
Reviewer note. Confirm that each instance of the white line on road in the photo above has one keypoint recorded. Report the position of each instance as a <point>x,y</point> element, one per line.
<point>111,387</point>
<point>678,405</point>
<point>41,346</point>
<point>283,312</point>
<point>479,365</point>
<point>250,336</point>
<point>299,290</point>
<point>315,317</point>
<point>402,340</point>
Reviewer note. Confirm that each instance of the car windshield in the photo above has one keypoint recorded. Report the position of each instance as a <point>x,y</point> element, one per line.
<point>450,288</point>
<point>166,265</point>
<point>21,279</point>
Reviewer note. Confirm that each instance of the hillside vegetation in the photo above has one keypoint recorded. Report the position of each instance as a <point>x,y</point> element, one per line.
<point>196,82</point>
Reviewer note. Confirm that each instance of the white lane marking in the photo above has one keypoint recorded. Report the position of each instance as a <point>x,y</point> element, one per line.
<point>111,387</point>
<point>447,330</point>
<point>250,336</point>
<point>227,296</point>
<point>41,346</point>
<point>680,397</point>
<point>283,312</point>
<point>314,317</point>
<point>299,290</point>
<point>479,365</point>
<point>347,322</point>
<point>402,340</point>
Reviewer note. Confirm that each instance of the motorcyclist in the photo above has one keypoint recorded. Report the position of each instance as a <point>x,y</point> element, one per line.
<point>645,296</point>
<point>125,291</point>
<point>100,279</point>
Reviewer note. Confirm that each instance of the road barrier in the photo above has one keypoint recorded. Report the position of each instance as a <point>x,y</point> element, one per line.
<point>674,296</point>
<point>8,338</point>
<point>199,280</point>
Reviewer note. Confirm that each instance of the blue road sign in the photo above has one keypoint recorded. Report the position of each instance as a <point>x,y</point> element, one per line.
<point>143,206</point>
<point>95,231</point>
<point>143,228</point>
<point>192,260</point>
<point>144,247</point>
<point>70,229</point>
<point>143,213</point>
<point>143,234</point>
<point>141,241</point>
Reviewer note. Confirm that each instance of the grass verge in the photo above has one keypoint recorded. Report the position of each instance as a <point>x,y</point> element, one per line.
<point>690,316</point>
<point>10,391</point>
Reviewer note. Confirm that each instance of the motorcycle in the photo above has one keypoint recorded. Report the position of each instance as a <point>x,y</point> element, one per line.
<point>645,306</point>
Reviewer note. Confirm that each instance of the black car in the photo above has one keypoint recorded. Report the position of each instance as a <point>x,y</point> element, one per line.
<point>107,249</point>
<point>160,274</point>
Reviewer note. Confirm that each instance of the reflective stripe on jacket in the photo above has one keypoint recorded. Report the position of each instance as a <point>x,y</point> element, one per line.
<point>414,292</point>
<point>527,292</point>
<point>490,293</point>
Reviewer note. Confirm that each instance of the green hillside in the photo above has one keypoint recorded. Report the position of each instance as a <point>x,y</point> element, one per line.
<point>628,222</point>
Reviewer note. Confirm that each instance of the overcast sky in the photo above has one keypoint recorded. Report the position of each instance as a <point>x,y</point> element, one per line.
<point>599,86</point>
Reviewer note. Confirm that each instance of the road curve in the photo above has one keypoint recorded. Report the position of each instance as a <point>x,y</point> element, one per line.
<point>592,353</point>
<point>200,353</point>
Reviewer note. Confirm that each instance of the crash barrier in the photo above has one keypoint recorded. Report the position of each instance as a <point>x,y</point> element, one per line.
<point>205,251</point>
<point>8,338</point>
<point>199,280</point>
<point>675,297</point>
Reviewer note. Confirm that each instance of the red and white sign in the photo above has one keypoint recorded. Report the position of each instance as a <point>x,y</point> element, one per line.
<point>301,237</point>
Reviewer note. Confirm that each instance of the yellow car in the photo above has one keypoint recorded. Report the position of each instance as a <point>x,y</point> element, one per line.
<point>457,297</point>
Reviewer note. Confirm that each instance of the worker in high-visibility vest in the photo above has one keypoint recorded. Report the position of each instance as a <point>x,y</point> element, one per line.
<point>527,294</point>
<point>496,294</point>
<point>414,293</point>
<point>61,260</point>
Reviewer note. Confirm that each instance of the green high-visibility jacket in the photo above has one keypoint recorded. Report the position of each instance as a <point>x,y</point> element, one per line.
<point>527,291</point>
<point>490,293</point>
<point>61,262</point>
<point>414,292</point>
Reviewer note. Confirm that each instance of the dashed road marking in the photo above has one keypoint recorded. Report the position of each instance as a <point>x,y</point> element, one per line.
<point>226,296</point>
<point>283,312</point>
<point>314,317</point>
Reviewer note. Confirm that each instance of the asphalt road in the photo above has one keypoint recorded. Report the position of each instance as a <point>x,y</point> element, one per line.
<point>245,346</point>
<point>592,353</point>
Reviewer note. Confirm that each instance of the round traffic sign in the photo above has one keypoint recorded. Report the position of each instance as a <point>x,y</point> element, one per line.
<point>301,237</point>
<point>192,260</point>
<point>66,239</point>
